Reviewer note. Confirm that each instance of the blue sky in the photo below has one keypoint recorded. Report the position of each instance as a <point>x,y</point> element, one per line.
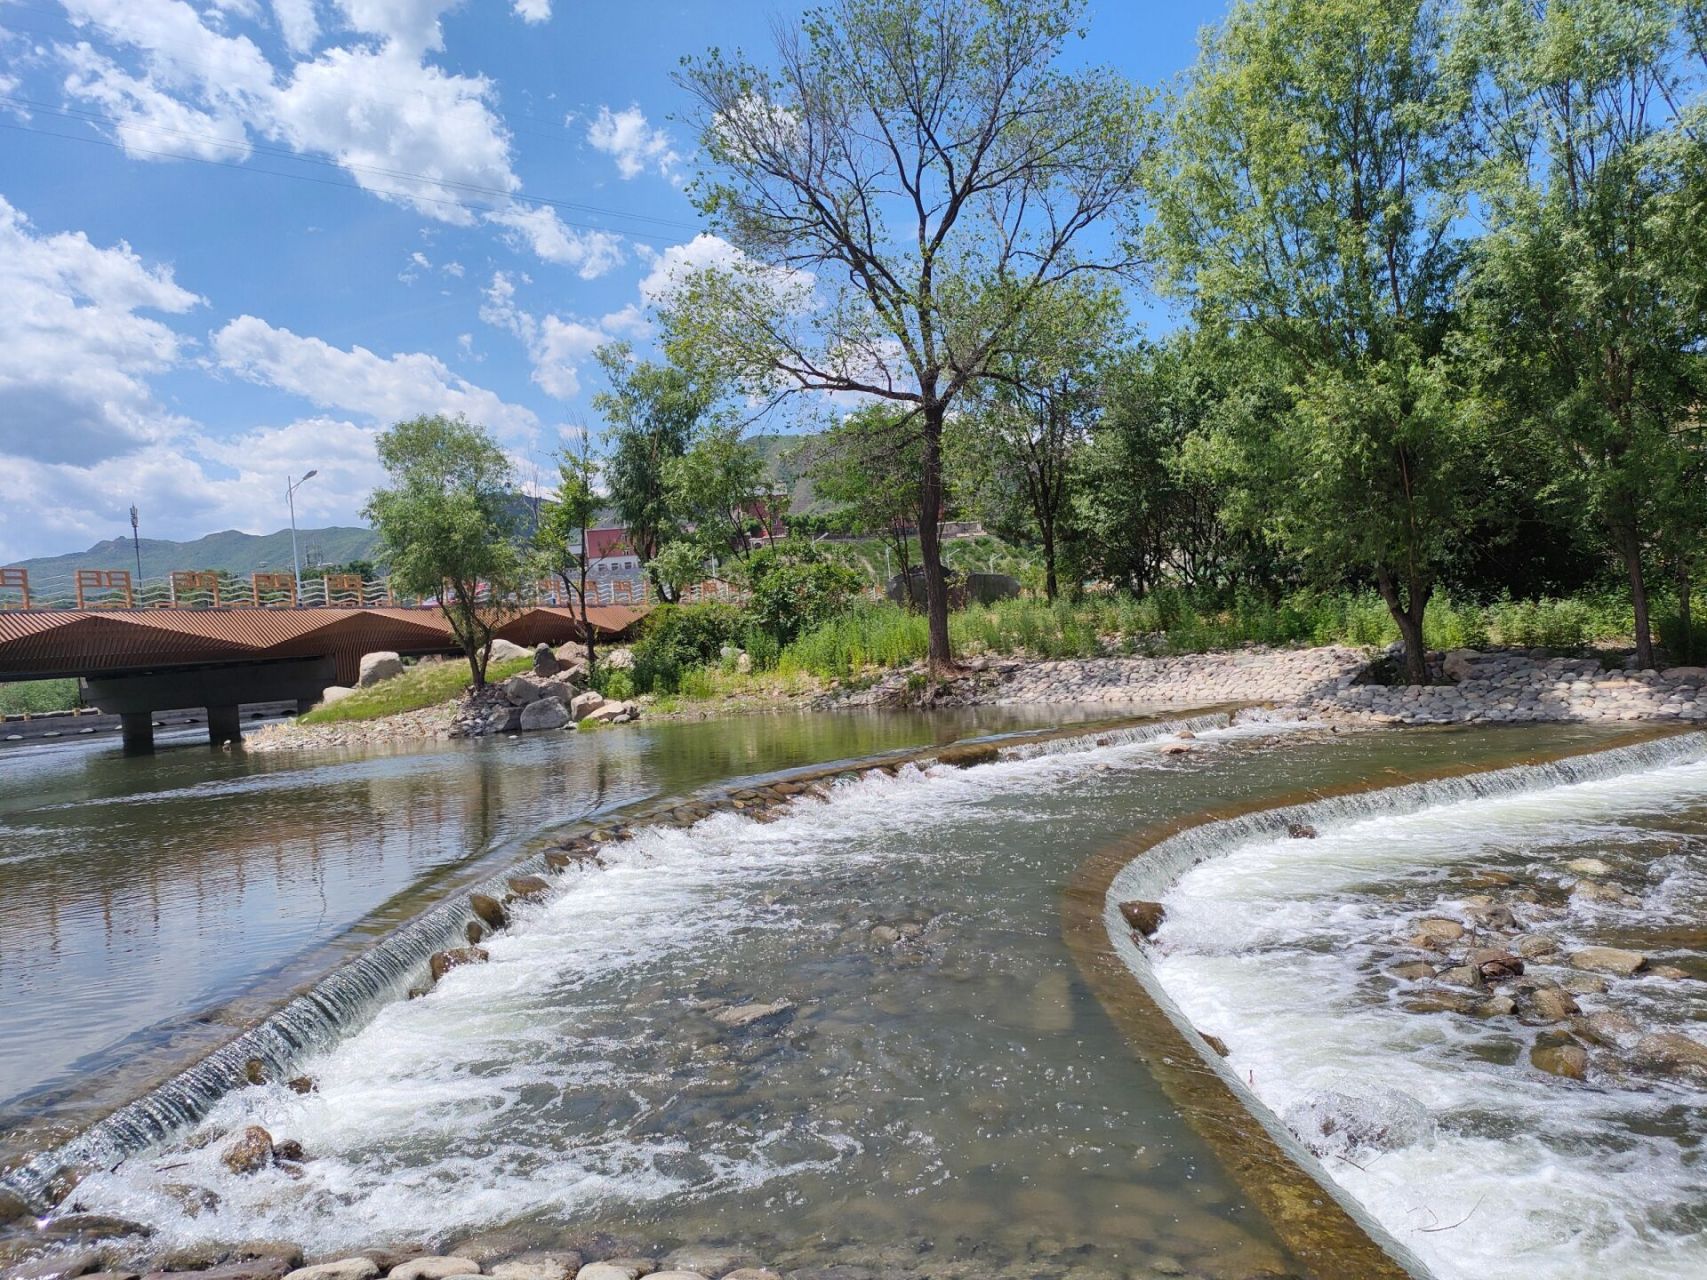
<point>220,262</point>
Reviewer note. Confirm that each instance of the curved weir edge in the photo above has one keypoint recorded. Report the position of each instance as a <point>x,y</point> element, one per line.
<point>1322,1225</point>
<point>347,996</point>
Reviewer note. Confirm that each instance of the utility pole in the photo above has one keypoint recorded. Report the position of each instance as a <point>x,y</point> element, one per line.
<point>290,499</point>
<point>136,544</point>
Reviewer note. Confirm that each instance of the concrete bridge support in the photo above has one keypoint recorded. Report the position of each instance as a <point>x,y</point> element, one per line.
<point>221,689</point>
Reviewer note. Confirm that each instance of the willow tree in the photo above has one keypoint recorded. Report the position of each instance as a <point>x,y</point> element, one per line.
<point>898,188</point>
<point>1307,207</point>
<point>1590,284</point>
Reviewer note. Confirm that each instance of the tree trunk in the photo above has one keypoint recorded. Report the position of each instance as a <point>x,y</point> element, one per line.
<point>1630,547</point>
<point>586,627</point>
<point>1685,614</point>
<point>930,541</point>
<point>1408,615</point>
<point>1049,584</point>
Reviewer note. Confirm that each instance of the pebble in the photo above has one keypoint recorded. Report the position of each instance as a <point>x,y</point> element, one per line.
<point>343,1269</point>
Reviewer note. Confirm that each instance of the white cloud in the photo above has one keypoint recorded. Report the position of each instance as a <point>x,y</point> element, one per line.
<point>410,26</point>
<point>74,353</point>
<point>677,262</point>
<point>358,380</point>
<point>557,346</point>
<point>634,144</point>
<point>591,253</point>
<point>533,10</point>
<point>297,24</point>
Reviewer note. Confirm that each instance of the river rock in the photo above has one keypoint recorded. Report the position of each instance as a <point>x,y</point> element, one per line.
<point>1619,963</point>
<point>252,1152</point>
<point>1535,945</point>
<point>548,1265</point>
<point>1585,984</point>
<point>1463,975</point>
<point>617,1269</point>
<point>1437,932</point>
<point>746,1015</point>
<point>583,705</point>
<point>529,888</point>
<point>1588,867</point>
<point>1413,970</point>
<point>436,1267</point>
<point>1565,1059</point>
<point>442,962</point>
<point>1611,1027</point>
<point>249,1269</point>
<point>1671,971</point>
<point>546,713</point>
<point>1594,891</point>
<point>679,1275</point>
<point>1144,917</point>
<point>1673,1053</point>
<point>1548,1004</point>
<point>1300,831</point>
<point>489,910</point>
<point>58,1266</point>
<point>342,1269</point>
<point>302,1084</point>
<point>753,1273</point>
<point>704,1260</point>
<point>383,665</point>
<point>612,713</point>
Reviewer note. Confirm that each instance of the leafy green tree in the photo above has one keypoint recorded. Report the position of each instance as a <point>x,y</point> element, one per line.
<point>1036,405</point>
<point>677,567</point>
<point>901,186</point>
<point>715,489</point>
<point>867,466</point>
<point>1308,203</point>
<point>652,412</point>
<point>560,546</point>
<point>1589,286</point>
<point>447,526</point>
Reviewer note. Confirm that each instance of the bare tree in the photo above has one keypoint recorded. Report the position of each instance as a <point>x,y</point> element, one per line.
<point>898,191</point>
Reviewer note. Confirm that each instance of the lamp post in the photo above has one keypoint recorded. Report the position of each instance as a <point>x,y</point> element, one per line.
<point>290,499</point>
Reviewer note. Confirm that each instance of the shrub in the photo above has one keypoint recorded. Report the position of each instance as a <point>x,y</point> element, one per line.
<point>678,637</point>
<point>795,589</point>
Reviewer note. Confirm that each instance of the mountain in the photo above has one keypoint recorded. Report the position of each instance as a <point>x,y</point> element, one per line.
<point>230,551</point>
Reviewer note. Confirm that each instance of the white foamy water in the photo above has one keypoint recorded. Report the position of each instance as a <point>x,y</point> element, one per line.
<point>574,1072</point>
<point>1483,1165</point>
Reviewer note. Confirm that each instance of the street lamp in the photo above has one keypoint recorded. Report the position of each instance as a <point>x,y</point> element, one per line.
<point>290,498</point>
<point>136,542</point>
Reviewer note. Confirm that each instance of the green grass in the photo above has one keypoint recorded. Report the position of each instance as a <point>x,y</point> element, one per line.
<point>424,685</point>
<point>36,696</point>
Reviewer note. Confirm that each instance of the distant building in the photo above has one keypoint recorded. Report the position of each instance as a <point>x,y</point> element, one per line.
<point>612,559</point>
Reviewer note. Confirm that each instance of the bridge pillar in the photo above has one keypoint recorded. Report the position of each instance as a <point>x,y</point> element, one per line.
<point>224,724</point>
<point>305,705</point>
<point>138,730</point>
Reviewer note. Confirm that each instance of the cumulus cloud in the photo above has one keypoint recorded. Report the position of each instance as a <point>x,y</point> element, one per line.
<point>539,229</point>
<point>679,261</point>
<point>402,128</point>
<point>633,143</point>
<point>74,352</point>
<point>357,380</point>
<point>533,10</point>
<point>557,345</point>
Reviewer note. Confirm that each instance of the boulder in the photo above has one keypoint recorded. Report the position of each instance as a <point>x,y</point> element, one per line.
<point>1144,917</point>
<point>1493,964</point>
<point>519,690</point>
<point>252,1152</point>
<point>1569,1060</point>
<point>1673,1053</point>
<point>503,719</point>
<point>1619,963</point>
<point>1611,1027</point>
<point>489,910</point>
<point>1588,867</point>
<point>505,650</point>
<point>1594,891</point>
<point>1460,664</point>
<point>547,713</point>
<point>613,713</point>
<point>334,693</point>
<point>383,665</point>
<point>1413,970</point>
<point>342,1269</point>
<point>545,661</point>
<point>1691,674</point>
<point>618,660</point>
<point>435,1267</point>
<point>442,962</point>
<point>1535,945</point>
<point>1437,931</point>
<point>583,705</point>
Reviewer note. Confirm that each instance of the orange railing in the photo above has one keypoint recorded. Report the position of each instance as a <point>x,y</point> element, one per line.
<point>15,580</point>
<point>107,581</point>
<point>265,588</point>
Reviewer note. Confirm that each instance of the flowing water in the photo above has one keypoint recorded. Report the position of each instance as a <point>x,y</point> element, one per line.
<point>151,906</point>
<point>1437,1120</point>
<point>939,1085</point>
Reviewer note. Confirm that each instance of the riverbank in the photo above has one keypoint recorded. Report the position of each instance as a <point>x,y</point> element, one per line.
<point>1331,684</point>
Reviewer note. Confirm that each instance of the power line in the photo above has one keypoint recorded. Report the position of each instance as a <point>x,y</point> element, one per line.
<point>400,175</point>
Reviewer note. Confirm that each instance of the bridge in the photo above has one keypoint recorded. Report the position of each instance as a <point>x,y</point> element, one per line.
<point>135,662</point>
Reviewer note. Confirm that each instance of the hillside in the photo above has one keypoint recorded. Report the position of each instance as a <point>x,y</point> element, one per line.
<point>230,552</point>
